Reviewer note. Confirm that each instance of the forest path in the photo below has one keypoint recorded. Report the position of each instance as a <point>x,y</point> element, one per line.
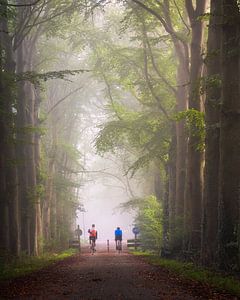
<point>105,276</point>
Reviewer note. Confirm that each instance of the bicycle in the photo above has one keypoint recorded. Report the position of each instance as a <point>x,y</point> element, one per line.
<point>119,246</point>
<point>93,246</point>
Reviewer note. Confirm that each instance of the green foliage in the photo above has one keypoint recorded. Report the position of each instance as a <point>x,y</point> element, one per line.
<point>35,192</point>
<point>149,221</point>
<point>63,184</point>
<point>37,78</point>
<point>204,17</point>
<point>71,152</point>
<point>213,81</point>
<point>7,11</point>
<point>195,125</point>
<point>25,264</point>
<point>29,129</point>
<point>138,122</point>
<point>148,133</point>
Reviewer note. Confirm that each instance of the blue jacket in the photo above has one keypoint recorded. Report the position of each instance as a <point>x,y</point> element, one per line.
<point>118,232</point>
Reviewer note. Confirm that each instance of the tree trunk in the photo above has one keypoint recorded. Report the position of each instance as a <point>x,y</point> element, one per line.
<point>47,204</point>
<point>229,196</point>
<point>182,53</point>
<point>8,171</point>
<point>26,152</point>
<point>212,118</point>
<point>162,194</point>
<point>39,229</point>
<point>193,195</point>
<point>3,238</point>
<point>181,152</point>
<point>171,173</point>
<point>22,155</point>
<point>28,138</point>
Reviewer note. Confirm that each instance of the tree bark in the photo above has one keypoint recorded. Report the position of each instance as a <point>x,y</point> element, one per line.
<point>3,238</point>
<point>181,151</point>
<point>9,194</point>
<point>193,193</point>
<point>22,155</point>
<point>171,173</point>
<point>212,119</point>
<point>182,53</point>
<point>229,183</point>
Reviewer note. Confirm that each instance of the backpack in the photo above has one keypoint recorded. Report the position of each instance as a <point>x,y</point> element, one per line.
<point>93,233</point>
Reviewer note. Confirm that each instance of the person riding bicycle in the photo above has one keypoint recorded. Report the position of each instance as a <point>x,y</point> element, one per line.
<point>118,236</point>
<point>92,234</point>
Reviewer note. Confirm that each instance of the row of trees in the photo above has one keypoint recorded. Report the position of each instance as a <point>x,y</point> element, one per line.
<point>181,69</point>
<point>40,160</point>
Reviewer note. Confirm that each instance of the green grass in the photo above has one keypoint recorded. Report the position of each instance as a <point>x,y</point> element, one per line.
<point>25,264</point>
<point>191,271</point>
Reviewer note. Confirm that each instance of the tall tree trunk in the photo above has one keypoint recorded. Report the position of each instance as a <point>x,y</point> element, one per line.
<point>3,239</point>
<point>171,173</point>
<point>54,217</point>
<point>28,138</point>
<point>26,152</point>
<point>31,168</point>
<point>193,196</point>
<point>212,118</point>
<point>22,155</point>
<point>37,150</point>
<point>161,185</point>
<point>229,196</point>
<point>182,53</point>
<point>181,151</point>
<point>10,159</point>
<point>8,171</point>
<point>47,203</point>
<point>50,201</point>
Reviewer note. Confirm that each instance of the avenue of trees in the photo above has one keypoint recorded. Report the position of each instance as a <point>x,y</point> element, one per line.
<point>171,74</point>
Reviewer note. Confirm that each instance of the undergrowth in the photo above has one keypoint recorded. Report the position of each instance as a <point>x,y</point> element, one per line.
<point>26,264</point>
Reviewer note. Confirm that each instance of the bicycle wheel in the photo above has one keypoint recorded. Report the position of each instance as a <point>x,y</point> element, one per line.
<point>119,246</point>
<point>93,247</point>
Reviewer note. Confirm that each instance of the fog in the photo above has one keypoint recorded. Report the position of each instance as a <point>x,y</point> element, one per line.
<point>100,204</point>
<point>105,187</point>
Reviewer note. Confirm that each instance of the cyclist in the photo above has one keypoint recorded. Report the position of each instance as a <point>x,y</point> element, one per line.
<point>118,237</point>
<point>92,236</point>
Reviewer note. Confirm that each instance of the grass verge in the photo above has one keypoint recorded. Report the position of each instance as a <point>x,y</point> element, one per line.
<point>25,264</point>
<point>191,271</point>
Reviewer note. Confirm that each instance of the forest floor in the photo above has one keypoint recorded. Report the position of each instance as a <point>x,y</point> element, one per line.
<point>106,276</point>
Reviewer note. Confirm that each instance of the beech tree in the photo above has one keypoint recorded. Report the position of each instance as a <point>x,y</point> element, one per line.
<point>212,119</point>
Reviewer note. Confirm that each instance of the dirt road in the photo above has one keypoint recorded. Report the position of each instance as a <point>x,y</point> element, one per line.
<point>107,276</point>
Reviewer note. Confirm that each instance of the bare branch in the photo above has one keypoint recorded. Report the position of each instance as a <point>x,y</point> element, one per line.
<point>170,87</point>
<point>149,82</point>
<point>62,99</point>
<point>154,13</point>
<point>180,15</point>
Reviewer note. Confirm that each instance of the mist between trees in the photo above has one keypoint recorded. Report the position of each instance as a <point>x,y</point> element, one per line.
<point>159,80</point>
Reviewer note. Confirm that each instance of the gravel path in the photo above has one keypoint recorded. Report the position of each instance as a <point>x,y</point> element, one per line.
<point>107,276</point>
